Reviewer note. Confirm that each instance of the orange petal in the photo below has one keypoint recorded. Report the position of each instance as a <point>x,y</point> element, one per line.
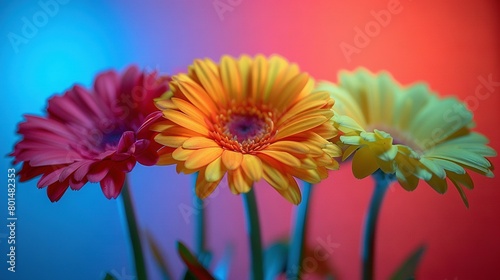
<point>189,109</point>
<point>299,126</point>
<point>231,160</point>
<point>231,78</point>
<point>165,155</point>
<point>238,183</point>
<point>252,166</point>
<point>203,187</point>
<point>291,90</point>
<point>194,143</point>
<point>184,121</point>
<point>273,176</point>
<point>314,100</point>
<point>292,192</point>
<point>202,157</point>
<point>289,146</point>
<point>282,157</point>
<point>209,78</point>
<point>196,95</point>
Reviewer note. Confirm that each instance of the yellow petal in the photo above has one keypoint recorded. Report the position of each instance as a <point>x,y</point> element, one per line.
<point>291,192</point>
<point>196,95</point>
<point>363,163</point>
<point>202,157</point>
<point>231,78</point>
<point>184,121</point>
<point>210,80</point>
<point>238,183</point>
<point>199,143</point>
<point>289,146</point>
<point>438,184</point>
<point>282,157</point>
<point>231,160</point>
<point>181,154</point>
<point>214,171</point>
<point>252,166</point>
<point>273,176</point>
<point>408,182</point>
<point>203,187</point>
<point>291,90</point>
<point>188,109</point>
<point>170,141</point>
<point>165,154</point>
<point>299,126</point>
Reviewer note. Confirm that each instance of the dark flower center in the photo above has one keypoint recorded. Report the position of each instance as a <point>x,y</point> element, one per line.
<point>112,138</point>
<point>244,128</point>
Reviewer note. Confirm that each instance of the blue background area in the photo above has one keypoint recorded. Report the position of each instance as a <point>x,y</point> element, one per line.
<point>81,236</point>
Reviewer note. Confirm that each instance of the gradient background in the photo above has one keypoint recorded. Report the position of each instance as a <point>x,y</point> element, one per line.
<point>449,44</point>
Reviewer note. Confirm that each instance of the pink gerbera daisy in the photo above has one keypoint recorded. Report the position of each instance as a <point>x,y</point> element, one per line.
<point>92,135</point>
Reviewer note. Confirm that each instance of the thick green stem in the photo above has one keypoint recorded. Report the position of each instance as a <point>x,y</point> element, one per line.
<point>253,230</point>
<point>299,233</point>
<point>199,226</point>
<point>133,231</point>
<point>382,182</point>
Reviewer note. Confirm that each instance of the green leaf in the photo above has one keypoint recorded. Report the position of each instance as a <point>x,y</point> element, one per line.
<point>158,256</point>
<point>407,270</point>
<point>195,269</point>
<point>109,276</point>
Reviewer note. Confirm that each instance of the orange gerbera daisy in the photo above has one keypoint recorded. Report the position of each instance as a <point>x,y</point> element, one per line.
<point>251,118</point>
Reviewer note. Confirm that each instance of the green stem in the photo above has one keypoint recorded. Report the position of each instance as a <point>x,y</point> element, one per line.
<point>299,234</point>
<point>382,182</point>
<point>133,231</point>
<point>199,226</point>
<point>253,230</point>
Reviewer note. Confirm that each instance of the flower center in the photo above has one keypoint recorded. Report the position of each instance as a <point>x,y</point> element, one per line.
<point>244,128</point>
<point>112,138</point>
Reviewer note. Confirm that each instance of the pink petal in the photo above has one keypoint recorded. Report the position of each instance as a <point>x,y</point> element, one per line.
<point>98,171</point>
<point>56,191</point>
<point>49,178</point>
<point>106,87</point>
<point>76,185</point>
<point>53,158</point>
<point>62,107</point>
<point>112,184</point>
<point>82,171</point>
<point>68,171</point>
<point>126,141</point>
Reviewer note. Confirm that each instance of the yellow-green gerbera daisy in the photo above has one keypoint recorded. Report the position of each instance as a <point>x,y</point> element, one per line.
<point>408,131</point>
